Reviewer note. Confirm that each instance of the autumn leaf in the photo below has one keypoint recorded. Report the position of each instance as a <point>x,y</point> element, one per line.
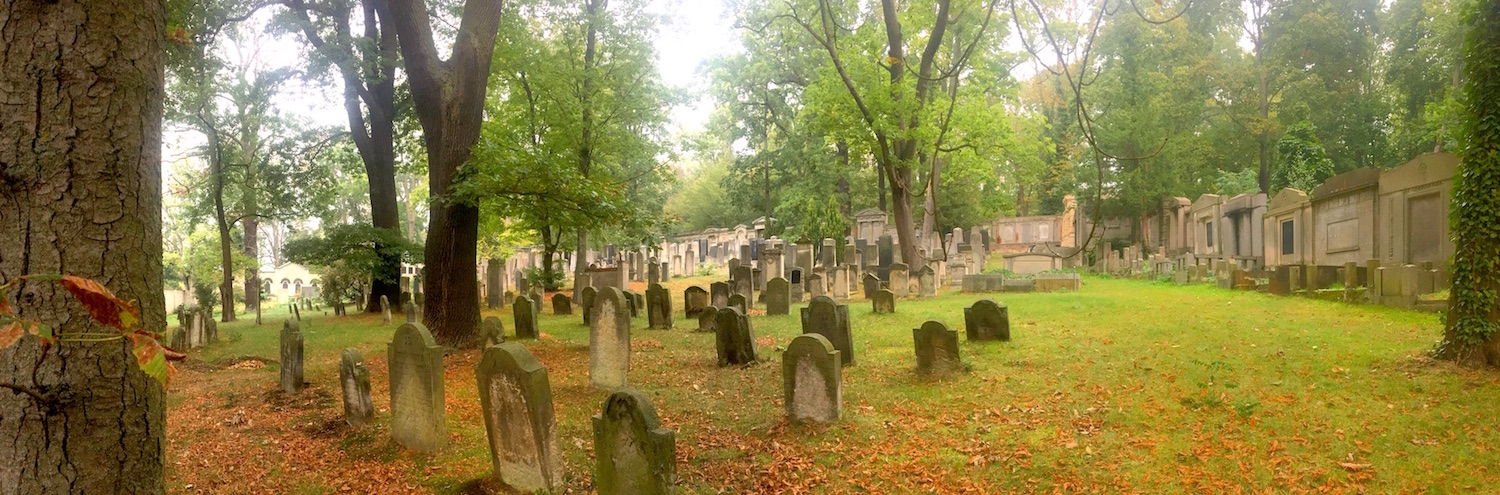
<point>101,303</point>
<point>151,357</point>
<point>9,334</point>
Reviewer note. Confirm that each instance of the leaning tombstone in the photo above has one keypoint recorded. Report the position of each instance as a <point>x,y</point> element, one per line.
<point>706,319</point>
<point>871,284</point>
<point>778,296</point>
<point>633,454</point>
<point>811,380</point>
<point>385,311</point>
<point>586,302</point>
<point>418,420</point>
<point>937,349</point>
<point>694,299</point>
<point>526,319</point>
<point>987,320</point>
<point>291,357</point>
<point>926,282</point>
<point>658,307</point>
<point>516,400</point>
<point>733,338</point>
<point>609,340</point>
<point>355,378</point>
<point>884,302</point>
<point>830,319</point>
<point>561,304</point>
<point>491,332</point>
<point>719,292</point>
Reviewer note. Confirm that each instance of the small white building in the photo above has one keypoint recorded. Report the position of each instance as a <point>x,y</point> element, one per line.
<point>287,280</point>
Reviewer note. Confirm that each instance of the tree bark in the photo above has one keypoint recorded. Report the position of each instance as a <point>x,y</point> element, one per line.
<point>449,100</point>
<point>81,90</point>
<point>586,141</point>
<point>252,251</point>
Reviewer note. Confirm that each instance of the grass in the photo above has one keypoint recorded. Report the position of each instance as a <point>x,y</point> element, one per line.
<point>1127,386</point>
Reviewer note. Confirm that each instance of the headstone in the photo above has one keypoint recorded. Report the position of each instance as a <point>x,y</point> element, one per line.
<point>653,273</point>
<point>180,339</point>
<point>886,247</point>
<point>812,381</point>
<point>900,279</point>
<point>609,340</point>
<point>410,310</point>
<point>536,302</point>
<point>827,256</point>
<point>706,318</point>
<point>987,320</point>
<point>526,318</point>
<point>291,357</point>
<point>418,419</point>
<point>778,296</point>
<point>385,311</point>
<point>733,338</point>
<point>586,302</point>
<point>884,301</point>
<point>658,307</point>
<point>738,301</point>
<point>744,283</point>
<point>815,286</point>
<point>937,349</point>
<point>694,299</point>
<point>734,264</point>
<point>798,285</point>
<point>871,284</point>
<point>926,282</point>
<point>633,454</point>
<point>516,401</point>
<point>562,304</point>
<point>355,380</point>
<point>491,332</point>
<point>719,292</point>
<point>830,319</point>
<point>632,303</point>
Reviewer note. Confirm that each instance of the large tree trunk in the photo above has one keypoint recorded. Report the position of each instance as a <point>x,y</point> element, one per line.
<point>586,141</point>
<point>449,100</point>
<point>80,185</point>
<point>226,248</point>
<point>252,251</point>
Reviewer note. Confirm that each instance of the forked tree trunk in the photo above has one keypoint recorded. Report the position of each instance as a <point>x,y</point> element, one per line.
<point>80,188</point>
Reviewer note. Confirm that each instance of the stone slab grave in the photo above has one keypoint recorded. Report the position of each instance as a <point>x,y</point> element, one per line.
<point>418,418</point>
<point>815,286</point>
<point>733,338</point>
<point>738,301</point>
<point>830,319</point>
<point>900,277</point>
<point>718,294</point>
<point>983,282</point>
<point>354,379</point>
<point>658,307</point>
<point>778,296</point>
<point>706,319</point>
<point>812,381</point>
<point>491,331</point>
<point>840,283</point>
<point>1053,282</point>
<point>743,283</point>
<point>637,302</point>
<point>694,299</point>
<point>937,349</point>
<point>633,454</point>
<point>562,304</point>
<point>536,302</point>
<point>385,311</point>
<point>871,284</point>
<point>526,318</point>
<point>586,302</point>
<point>884,301</point>
<point>926,282</point>
<point>291,357</point>
<point>609,340</point>
<point>987,320</point>
<point>516,400</point>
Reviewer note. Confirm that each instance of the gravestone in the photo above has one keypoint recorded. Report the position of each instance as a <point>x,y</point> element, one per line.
<point>410,310</point>
<point>840,283</point>
<point>871,284</point>
<point>562,304</point>
<point>812,382</point>
<point>798,286</point>
<point>734,264</point>
<point>738,301</point>
<point>826,256</point>
<point>658,307</point>
<point>633,454</point>
<point>719,292</point>
<point>653,272</point>
<point>516,401</point>
<point>926,282</point>
<point>354,378</point>
<point>179,339</point>
<point>733,338</point>
<point>900,280</point>
<point>778,296</point>
<point>883,302</point>
<point>526,318</point>
<point>830,319</point>
<point>886,246</point>
<point>706,318</point>
<point>815,286</point>
<point>291,357</point>
<point>385,311</point>
<point>586,302</point>
<point>536,302</point>
<point>491,332</point>
<point>937,349</point>
<point>694,299</point>
<point>632,304</point>
<point>523,286</point>
<point>987,320</point>
<point>744,283</point>
<point>418,420</point>
<point>609,340</point>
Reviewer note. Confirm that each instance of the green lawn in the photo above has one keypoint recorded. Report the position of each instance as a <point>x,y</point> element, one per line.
<point>1126,386</point>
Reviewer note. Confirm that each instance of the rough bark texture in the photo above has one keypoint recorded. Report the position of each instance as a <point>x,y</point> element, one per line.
<point>80,182</point>
<point>586,141</point>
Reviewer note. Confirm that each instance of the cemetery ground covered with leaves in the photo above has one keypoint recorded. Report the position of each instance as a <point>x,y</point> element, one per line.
<point>1124,387</point>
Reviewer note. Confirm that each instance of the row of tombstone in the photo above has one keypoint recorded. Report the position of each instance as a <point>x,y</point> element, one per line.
<point>196,327</point>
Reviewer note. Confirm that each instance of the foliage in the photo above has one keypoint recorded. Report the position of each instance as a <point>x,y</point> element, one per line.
<point>357,248</point>
<point>548,279</point>
<point>340,283</point>
<point>1304,164</point>
<point>1235,183</point>
<point>815,220</point>
<point>104,308</point>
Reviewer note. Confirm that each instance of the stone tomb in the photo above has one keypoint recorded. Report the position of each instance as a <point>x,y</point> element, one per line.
<point>694,299</point>
<point>526,318</point>
<point>354,378</point>
<point>418,420</point>
<point>658,307</point>
<point>830,319</point>
<point>778,296</point>
<point>734,340</point>
<point>884,301</point>
<point>609,340</point>
<point>516,401</point>
<point>937,349</point>
<point>987,320</point>
<point>633,454</point>
<point>900,277</point>
<point>812,382</point>
<point>719,294</point>
<point>491,332</point>
<point>291,357</point>
<point>561,304</point>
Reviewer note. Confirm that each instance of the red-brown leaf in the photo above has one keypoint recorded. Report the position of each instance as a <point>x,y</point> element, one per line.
<point>9,334</point>
<point>101,303</point>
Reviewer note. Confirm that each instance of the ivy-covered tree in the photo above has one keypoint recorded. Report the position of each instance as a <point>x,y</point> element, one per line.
<point>1304,164</point>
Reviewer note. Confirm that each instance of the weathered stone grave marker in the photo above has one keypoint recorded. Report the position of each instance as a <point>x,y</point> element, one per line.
<point>562,304</point>
<point>937,349</point>
<point>815,286</point>
<point>738,301</point>
<point>291,357</point>
<point>658,307</point>
<point>633,454</point>
<point>987,320</point>
<point>733,338</point>
<point>926,282</point>
<point>900,280</point>
<point>491,332</point>
<point>355,380</point>
<point>516,400</point>
<point>586,302</point>
<point>609,340</point>
<point>871,284</point>
<point>706,319</point>
<point>694,299</point>
<point>418,418</point>
<point>385,311</point>
<point>778,296</point>
<point>884,302</point>
<point>526,318</point>
<point>830,319</point>
<point>719,294</point>
<point>812,381</point>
